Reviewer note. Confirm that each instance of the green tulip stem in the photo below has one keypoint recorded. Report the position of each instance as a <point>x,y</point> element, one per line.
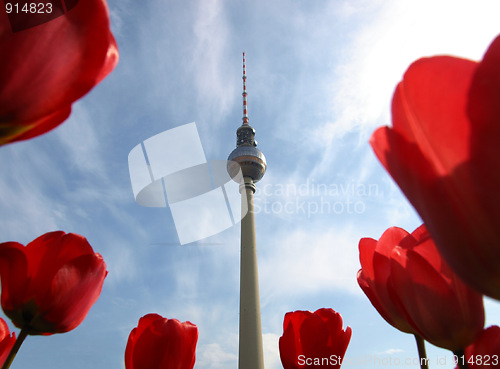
<point>460,359</point>
<point>424,362</point>
<point>15,348</point>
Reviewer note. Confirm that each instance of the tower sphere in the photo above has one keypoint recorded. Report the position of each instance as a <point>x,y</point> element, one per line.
<point>250,160</point>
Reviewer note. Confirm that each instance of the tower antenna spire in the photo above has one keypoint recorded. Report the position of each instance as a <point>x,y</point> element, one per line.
<point>245,106</point>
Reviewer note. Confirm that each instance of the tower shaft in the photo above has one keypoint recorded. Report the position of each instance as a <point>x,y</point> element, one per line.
<point>251,354</point>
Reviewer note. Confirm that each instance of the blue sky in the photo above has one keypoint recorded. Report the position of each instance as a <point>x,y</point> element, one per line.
<point>320,80</point>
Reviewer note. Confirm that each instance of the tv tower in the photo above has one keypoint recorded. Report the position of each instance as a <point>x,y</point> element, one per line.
<point>252,163</point>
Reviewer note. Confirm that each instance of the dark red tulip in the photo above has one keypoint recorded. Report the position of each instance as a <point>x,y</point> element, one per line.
<point>313,340</point>
<point>417,286</point>
<point>161,343</point>
<point>7,340</point>
<point>485,351</point>
<point>443,152</point>
<point>50,285</point>
<point>47,64</point>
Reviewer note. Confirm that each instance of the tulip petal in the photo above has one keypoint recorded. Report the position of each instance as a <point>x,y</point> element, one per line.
<point>129,349</point>
<point>149,349</point>
<point>162,343</point>
<point>484,113</point>
<point>333,322</point>
<point>374,274</point>
<point>13,274</point>
<point>289,343</point>
<point>426,295</point>
<point>54,249</point>
<point>7,341</point>
<point>316,337</point>
<point>424,109</point>
<point>48,253</point>
<point>367,248</point>
<point>146,321</point>
<point>52,65</point>
<point>183,347</point>
<point>484,349</point>
<point>381,299</point>
<point>483,108</point>
<point>37,127</point>
<point>74,289</point>
<point>295,319</point>
<point>390,238</point>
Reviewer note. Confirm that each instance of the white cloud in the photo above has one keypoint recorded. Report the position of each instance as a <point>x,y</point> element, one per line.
<point>271,351</point>
<point>380,51</point>
<point>390,351</point>
<point>213,356</point>
<point>309,259</point>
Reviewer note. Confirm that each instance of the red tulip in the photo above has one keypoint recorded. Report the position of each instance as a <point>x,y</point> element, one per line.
<point>374,276</point>
<point>160,343</point>
<point>50,285</point>
<point>416,285</point>
<point>6,341</point>
<point>313,339</point>
<point>46,67</point>
<point>443,152</point>
<point>484,353</point>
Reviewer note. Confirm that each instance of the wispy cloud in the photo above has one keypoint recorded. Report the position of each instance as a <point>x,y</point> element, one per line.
<point>81,144</point>
<point>26,210</point>
<point>215,93</point>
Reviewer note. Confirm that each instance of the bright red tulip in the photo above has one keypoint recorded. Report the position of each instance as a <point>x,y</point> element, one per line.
<point>417,285</point>
<point>50,285</point>
<point>374,276</point>
<point>7,340</point>
<point>46,67</point>
<point>484,353</point>
<point>161,343</point>
<point>443,152</point>
<point>315,340</point>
